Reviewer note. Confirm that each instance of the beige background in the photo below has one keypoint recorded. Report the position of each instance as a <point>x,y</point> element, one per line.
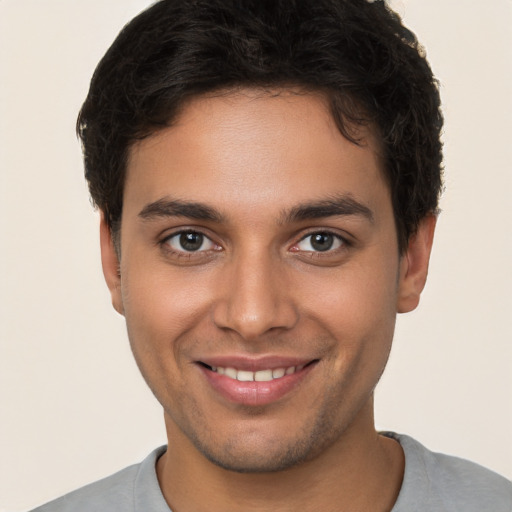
<point>73,407</point>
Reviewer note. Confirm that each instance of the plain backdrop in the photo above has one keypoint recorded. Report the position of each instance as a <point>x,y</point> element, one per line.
<point>73,406</point>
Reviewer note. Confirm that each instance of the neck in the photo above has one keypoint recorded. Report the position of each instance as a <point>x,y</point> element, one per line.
<point>360,471</point>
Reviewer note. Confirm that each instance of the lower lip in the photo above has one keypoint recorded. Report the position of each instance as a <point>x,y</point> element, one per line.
<point>255,393</point>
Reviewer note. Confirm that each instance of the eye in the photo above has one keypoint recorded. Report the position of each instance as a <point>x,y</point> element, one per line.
<point>320,242</point>
<point>189,241</point>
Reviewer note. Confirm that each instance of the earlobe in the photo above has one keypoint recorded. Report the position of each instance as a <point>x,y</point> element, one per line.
<point>110,264</point>
<point>414,265</point>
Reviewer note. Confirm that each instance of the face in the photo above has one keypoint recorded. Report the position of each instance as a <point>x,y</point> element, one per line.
<point>260,277</point>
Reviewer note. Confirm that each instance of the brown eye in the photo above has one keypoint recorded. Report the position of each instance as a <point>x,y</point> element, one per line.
<point>320,242</point>
<point>190,241</point>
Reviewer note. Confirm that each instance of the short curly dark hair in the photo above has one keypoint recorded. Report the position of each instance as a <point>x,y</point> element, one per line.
<point>357,53</point>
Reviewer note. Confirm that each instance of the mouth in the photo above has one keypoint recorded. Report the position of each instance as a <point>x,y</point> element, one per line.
<point>256,384</point>
<point>266,375</point>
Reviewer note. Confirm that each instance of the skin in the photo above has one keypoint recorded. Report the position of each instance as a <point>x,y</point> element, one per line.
<point>257,287</point>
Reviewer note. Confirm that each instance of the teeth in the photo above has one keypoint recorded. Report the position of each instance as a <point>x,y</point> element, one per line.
<point>279,372</point>
<point>244,376</point>
<point>263,375</point>
<point>231,373</point>
<point>259,376</point>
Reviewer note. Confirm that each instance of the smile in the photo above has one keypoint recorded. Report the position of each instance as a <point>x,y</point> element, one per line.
<point>259,376</point>
<point>266,382</point>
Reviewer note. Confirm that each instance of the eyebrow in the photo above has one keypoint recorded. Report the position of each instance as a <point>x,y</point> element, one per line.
<point>343,205</point>
<point>175,208</point>
<point>333,206</point>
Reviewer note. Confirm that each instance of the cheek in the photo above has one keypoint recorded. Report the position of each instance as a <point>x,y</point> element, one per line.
<point>161,310</point>
<point>355,299</point>
<point>357,307</point>
<point>159,300</point>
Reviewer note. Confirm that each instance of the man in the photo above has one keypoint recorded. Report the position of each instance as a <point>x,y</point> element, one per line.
<point>268,175</point>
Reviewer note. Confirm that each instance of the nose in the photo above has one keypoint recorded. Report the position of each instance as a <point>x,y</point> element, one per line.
<point>255,297</point>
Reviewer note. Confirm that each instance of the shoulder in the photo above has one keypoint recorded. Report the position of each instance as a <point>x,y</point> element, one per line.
<point>101,495</point>
<point>444,483</point>
<point>117,492</point>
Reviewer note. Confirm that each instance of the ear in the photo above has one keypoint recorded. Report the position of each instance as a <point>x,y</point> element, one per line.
<point>414,265</point>
<point>110,264</point>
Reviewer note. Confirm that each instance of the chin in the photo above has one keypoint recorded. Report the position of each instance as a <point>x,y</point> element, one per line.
<point>241,454</point>
<point>257,462</point>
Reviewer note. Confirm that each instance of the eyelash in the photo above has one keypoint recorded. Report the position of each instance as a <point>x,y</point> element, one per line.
<point>343,244</point>
<point>183,253</point>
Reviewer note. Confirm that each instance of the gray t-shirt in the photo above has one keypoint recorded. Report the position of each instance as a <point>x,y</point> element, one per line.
<point>432,482</point>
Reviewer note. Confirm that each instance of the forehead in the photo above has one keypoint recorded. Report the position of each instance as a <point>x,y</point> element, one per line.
<point>254,149</point>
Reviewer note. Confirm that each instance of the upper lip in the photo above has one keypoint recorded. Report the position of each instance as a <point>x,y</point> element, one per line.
<point>254,364</point>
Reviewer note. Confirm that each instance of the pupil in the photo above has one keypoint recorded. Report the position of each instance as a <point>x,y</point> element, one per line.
<point>191,241</point>
<point>322,241</point>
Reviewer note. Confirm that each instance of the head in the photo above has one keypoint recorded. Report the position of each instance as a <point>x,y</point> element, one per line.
<point>356,53</point>
<point>268,175</point>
